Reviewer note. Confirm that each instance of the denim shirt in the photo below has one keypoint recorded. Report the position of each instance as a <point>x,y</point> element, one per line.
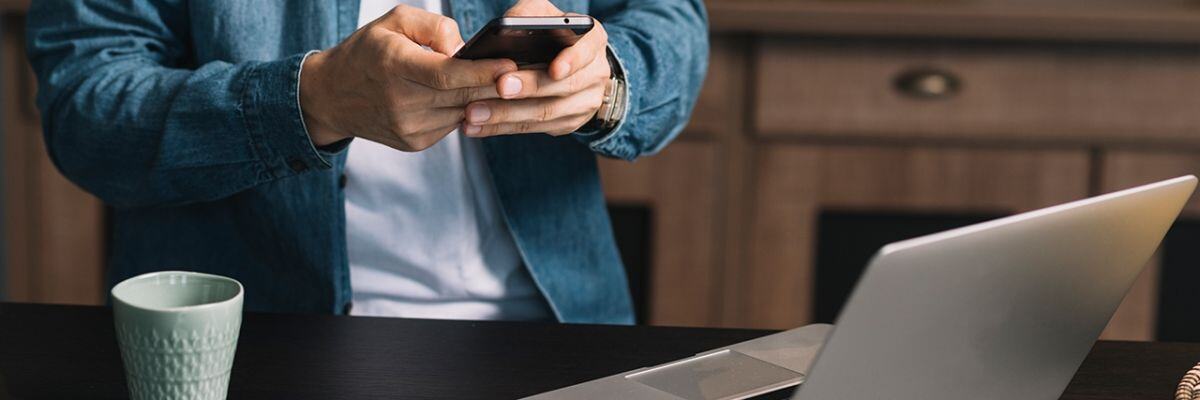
<point>183,116</point>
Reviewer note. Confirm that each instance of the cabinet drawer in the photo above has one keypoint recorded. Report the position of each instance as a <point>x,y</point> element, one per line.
<point>1069,93</point>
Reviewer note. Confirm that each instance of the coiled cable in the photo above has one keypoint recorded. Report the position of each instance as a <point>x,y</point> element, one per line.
<point>1188,386</point>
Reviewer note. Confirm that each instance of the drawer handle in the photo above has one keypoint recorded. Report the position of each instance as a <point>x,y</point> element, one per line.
<point>928,83</point>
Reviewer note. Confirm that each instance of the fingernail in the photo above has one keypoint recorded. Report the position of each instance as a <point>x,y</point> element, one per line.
<point>478,113</point>
<point>565,70</point>
<point>510,86</point>
<point>472,129</point>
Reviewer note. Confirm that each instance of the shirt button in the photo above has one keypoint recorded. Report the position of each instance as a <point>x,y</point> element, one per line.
<point>297,164</point>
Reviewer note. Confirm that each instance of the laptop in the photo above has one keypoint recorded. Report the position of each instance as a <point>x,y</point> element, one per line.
<point>1005,309</point>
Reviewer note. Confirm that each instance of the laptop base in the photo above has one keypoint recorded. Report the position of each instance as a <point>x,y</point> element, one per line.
<point>758,367</point>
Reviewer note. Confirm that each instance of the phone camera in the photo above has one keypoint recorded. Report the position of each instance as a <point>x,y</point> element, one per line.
<point>566,20</point>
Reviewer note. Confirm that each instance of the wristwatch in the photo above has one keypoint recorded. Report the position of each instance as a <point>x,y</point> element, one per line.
<point>612,108</point>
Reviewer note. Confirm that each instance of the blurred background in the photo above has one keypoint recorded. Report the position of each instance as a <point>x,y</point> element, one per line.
<point>825,130</point>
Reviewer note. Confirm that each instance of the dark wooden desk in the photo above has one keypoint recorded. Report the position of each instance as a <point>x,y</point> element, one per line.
<point>60,352</point>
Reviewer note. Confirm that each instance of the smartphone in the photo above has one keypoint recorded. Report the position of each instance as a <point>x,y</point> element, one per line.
<point>531,42</point>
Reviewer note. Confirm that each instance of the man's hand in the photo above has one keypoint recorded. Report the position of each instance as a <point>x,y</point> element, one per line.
<point>381,85</point>
<point>556,101</point>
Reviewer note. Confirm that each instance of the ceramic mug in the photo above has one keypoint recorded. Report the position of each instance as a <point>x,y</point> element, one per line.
<point>178,333</point>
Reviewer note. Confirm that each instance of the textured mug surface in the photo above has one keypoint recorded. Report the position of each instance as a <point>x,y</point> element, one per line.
<point>178,333</point>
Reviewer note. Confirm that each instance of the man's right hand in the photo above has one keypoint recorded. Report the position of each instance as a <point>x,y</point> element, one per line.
<point>381,85</point>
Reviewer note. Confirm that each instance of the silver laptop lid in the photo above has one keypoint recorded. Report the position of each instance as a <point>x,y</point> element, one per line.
<point>1007,309</point>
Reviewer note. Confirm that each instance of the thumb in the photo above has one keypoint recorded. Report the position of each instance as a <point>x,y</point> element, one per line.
<point>423,27</point>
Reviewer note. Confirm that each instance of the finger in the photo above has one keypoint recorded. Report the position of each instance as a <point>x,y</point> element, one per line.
<point>442,72</point>
<point>525,83</point>
<point>425,28</point>
<point>415,124</point>
<point>537,83</point>
<point>556,127</point>
<point>574,58</point>
<point>461,97</point>
<point>534,110</point>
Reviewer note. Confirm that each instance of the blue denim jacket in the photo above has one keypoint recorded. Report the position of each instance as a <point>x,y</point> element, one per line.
<point>183,116</point>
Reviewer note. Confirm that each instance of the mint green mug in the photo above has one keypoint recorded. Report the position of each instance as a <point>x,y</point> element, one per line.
<point>178,333</point>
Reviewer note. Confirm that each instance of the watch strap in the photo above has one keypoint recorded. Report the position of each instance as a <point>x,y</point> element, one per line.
<point>612,108</point>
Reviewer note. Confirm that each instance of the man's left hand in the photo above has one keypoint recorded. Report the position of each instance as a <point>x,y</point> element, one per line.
<point>558,100</point>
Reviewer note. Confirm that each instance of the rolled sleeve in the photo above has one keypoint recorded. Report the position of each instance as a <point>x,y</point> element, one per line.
<point>275,122</point>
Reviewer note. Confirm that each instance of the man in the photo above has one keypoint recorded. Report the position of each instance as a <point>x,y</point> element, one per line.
<point>379,176</point>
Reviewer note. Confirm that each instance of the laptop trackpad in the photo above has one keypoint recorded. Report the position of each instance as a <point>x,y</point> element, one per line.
<point>721,375</point>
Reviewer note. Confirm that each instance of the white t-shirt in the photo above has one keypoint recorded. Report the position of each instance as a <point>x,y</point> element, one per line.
<point>424,231</point>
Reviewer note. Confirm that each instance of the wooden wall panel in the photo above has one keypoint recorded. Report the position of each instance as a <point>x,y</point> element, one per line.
<point>719,108</point>
<point>773,289</point>
<point>949,179</point>
<point>53,230</point>
<point>1127,168</point>
<point>772,286</point>
<point>1137,315</point>
<point>721,112</point>
<point>20,167</point>
<point>678,185</point>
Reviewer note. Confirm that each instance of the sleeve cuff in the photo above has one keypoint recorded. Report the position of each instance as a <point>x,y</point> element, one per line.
<point>271,105</point>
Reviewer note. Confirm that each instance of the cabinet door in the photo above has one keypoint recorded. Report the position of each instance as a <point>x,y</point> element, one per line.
<point>794,183</point>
